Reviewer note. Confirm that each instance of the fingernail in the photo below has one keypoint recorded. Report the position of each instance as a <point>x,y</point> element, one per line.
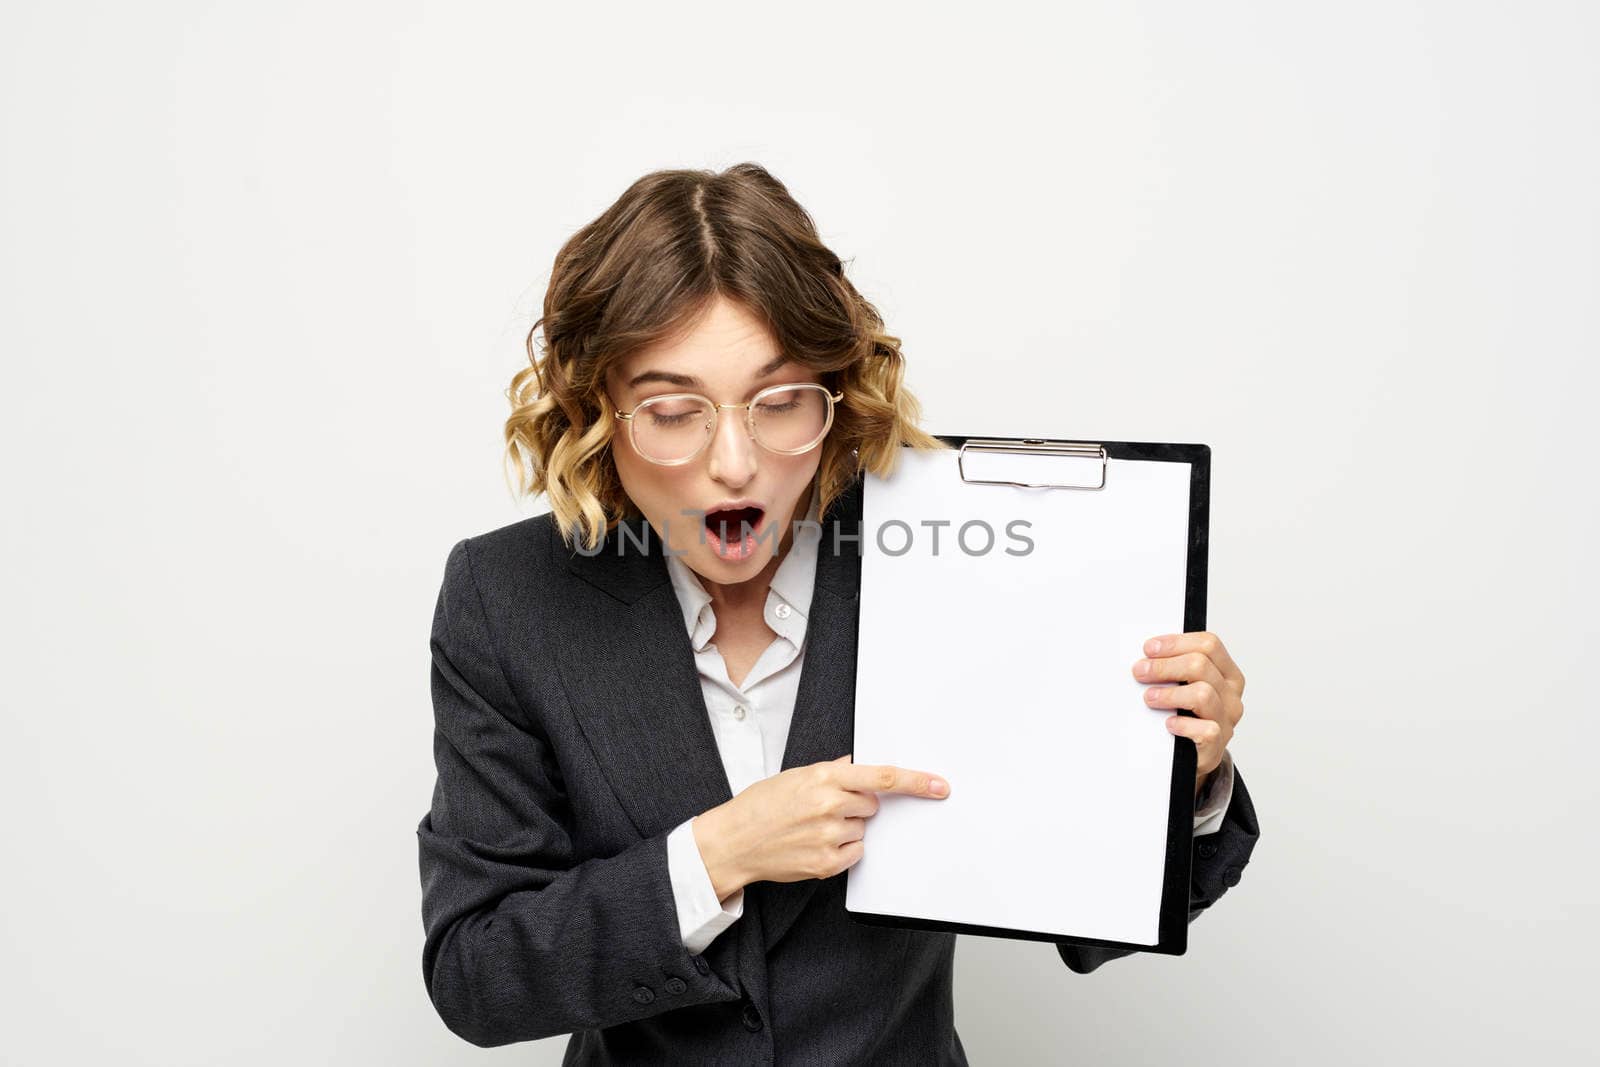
<point>1152,646</point>
<point>938,787</point>
<point>1141,667</point>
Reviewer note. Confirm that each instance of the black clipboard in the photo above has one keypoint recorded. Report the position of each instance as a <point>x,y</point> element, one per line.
<point>1173,921</point>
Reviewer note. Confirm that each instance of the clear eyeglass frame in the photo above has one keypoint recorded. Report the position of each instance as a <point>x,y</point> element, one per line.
<point>749,420</point>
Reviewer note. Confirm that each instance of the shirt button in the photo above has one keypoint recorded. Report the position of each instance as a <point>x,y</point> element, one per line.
<point>782,611</point>
<point>738,711</point>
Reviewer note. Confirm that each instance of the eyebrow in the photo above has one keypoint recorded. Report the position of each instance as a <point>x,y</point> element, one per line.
<point>672,378</point>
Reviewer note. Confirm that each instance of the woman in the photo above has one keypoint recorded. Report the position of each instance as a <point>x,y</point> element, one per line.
<point>643,699</point>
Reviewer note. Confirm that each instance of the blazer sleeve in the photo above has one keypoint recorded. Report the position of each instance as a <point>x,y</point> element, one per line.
<point>522,939</point>
<point>1217,863</point>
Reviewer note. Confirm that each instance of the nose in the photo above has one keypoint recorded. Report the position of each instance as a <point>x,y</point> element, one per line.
<point>733,451</point>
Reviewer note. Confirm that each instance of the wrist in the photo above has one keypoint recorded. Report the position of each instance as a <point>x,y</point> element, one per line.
<point>713,836</point>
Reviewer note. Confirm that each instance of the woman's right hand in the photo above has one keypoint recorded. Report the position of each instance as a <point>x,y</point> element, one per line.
<point>806,822</point>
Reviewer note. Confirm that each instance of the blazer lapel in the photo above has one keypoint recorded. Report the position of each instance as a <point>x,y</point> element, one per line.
<point>630,673</point>
<point>631,676</point>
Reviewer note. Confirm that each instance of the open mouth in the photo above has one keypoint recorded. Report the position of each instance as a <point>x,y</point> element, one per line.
<point>732,533</point>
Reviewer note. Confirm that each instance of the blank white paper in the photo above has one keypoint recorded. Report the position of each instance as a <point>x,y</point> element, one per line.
<point>1010,676</point>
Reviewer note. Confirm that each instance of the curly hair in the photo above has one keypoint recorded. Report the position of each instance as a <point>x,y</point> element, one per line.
<point>642,273</point>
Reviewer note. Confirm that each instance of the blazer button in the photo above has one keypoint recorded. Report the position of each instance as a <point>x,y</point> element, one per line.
<point>643,994</point>
<point>701,965</point>
<point>1231,876</point>
<point>1207,849</point>
<point>752,1018</point>
<point>675,985</point>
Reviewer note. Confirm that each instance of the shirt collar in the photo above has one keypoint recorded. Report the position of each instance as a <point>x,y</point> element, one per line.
<point>792,585</point>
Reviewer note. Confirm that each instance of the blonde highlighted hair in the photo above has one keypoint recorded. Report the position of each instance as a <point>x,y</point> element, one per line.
<point>644,271</point>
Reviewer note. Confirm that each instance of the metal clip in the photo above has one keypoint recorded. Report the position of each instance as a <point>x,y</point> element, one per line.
<point>1031,446</point>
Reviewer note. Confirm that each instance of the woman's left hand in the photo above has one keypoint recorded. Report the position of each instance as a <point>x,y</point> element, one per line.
<point>1215,692</point>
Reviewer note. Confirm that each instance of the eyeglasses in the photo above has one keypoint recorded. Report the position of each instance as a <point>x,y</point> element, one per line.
<point>787,419</point>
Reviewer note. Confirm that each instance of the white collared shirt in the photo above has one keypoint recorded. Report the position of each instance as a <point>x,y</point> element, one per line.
<point>751,721</point>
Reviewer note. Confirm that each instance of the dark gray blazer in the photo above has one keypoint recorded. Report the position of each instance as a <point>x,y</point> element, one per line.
<point>570,738</point>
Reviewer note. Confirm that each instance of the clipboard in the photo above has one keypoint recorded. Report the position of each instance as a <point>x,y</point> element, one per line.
<point>959,668</point>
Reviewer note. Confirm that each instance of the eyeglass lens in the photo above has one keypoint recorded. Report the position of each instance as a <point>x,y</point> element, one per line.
<point>676,427</point>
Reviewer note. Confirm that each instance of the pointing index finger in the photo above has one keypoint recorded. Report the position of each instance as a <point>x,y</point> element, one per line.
<point>886,778</point>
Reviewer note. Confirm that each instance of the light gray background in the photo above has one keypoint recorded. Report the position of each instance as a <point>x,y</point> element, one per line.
<point>266,276</point>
